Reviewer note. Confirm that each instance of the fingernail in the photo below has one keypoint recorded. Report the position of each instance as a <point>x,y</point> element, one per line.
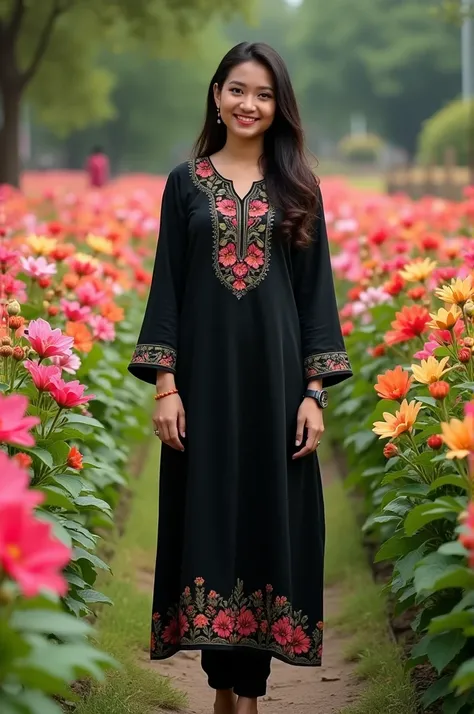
<point>297,442</point>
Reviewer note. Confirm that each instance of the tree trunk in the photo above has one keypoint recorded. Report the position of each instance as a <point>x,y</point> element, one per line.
<point>10,138</point>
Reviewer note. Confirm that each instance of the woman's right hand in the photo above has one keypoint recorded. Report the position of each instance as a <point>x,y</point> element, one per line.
<point>170,421</point>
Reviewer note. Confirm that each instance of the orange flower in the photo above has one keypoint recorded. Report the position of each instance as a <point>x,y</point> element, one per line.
<point>459,437</point>
<point>74,459</point>
<point>398,423</point>
<point>439,390</point>
<point>70,281</point>
<point>394,384</point>
<point>112,312</point>
<point>23,460</point>
<point>410,322</point>
<point>82,336</point>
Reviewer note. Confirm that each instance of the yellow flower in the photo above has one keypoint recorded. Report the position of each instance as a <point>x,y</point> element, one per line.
<point>398,423</point>
<point>41,245</point>
<point>85,259</point>
<point>445,319</point>
<point>459,437</point>
<point>418,270</point>
<point>430,370</point>
<point>100,244</point>
<point>459,292</point>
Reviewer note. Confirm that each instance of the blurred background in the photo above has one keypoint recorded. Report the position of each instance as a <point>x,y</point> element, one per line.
<point>382,84</point>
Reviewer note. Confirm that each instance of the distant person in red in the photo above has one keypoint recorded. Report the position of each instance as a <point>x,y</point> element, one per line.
<point>97,167</point>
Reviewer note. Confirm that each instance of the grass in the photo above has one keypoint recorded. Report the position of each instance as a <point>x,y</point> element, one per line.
<point>125,628</point>
<point>364,616</point>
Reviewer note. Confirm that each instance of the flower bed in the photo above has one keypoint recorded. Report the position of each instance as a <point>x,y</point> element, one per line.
<point>73,271</point>
<point>407,272</point>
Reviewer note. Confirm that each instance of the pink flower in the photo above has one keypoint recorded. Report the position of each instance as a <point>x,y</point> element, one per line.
<point>73,310</point>
<point>204,169</point>
<point>258,208</point>
<point>30,554</point>
<point>199,581</point>
<point>254,257</point>
<point>69,363</point>
<point>226,206</point>
<point>227,256</point>
<point>239,285</point>
<point>240,270</point>
<point>282,631</point>
<point>89,295</point>
<point>300,642</point>
<point>48,342</point>
<point>223,624</point>
<point>37,267</point>
<point>201,621</point>
<point>8,257</point>
<point>43,376</point>
<point>14,484</point>
<point>246,623</point>
<point>14,425</point>
<point>13,288</point>
<point>69,394</point>
<point>102,329</point>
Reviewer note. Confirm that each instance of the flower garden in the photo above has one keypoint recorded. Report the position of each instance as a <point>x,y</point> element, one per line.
<point>74,272</point>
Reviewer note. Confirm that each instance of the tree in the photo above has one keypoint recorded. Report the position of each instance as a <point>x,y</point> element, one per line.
<point>394,61</point>
<point>56,43</point>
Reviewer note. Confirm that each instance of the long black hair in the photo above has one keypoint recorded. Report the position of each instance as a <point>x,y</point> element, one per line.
<point>291,184</point>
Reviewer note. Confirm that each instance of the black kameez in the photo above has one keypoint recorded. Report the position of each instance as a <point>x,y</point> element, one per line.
<point>244,320</point>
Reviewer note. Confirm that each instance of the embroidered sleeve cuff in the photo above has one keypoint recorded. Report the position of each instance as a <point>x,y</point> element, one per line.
<point>331,367</point>
<point>148,358</point>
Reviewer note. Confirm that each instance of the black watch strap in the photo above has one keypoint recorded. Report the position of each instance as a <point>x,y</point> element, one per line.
<point>319,395</point>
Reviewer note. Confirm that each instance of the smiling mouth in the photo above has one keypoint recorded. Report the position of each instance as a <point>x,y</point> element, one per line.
<point>245,120</point>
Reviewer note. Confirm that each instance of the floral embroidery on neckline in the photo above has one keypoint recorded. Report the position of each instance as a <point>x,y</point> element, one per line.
<point>261,620</point>
<point>242,228</point>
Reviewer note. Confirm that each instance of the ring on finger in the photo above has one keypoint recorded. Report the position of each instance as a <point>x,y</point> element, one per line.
<point>157,433</point>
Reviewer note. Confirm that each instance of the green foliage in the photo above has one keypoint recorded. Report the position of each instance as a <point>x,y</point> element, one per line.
<point>361,148</point>
<point>450,128</point>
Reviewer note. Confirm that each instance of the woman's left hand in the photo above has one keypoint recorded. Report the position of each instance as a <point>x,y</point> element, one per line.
<point>310,416</point>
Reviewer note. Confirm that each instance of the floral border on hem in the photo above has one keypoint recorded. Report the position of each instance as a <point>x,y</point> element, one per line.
<point>325,363</point>
<point>259,620</point>
<point>153,355</point>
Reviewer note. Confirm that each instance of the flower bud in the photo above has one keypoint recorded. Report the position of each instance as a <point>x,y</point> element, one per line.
<point>390,450</point>
<point>6,351</point>
<point>53,310</point>
<point>46,304</point>
<point>49,294</point>
<point>464,355</point>
<point>6,340</point>
<point>18,353</point>
<point>469,308</point>
<point>16,321</point>
<point>468,341</point>
<point>439,390</point>
<point>13,307</point>
<point>44,282</point>
<point>23,460</point>
<point>435,441</point>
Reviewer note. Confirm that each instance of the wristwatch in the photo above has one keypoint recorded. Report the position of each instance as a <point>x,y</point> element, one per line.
<point>319,395</point>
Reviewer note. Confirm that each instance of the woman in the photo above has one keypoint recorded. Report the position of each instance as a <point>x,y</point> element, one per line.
<point>97,167</point>
<point>241,335</point>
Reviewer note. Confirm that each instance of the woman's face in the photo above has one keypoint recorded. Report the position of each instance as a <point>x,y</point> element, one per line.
<point>247,100</point>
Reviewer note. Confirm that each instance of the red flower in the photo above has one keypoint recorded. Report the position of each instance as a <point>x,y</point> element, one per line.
<point>269,588</point>
<point>390,450</point>
<point>240,270</point>
<point>246,623</point>
<point>282,631</point>
<point>264,626</point>
<point>212,594</point>
<point>227,256</point>
<point>227,207</point>
<point>239,285</point>
<point>187,591</point>
<point>74,459</point>
<point>347,328</point>
<point>254,257</point>
<point>223,624</point>
<point>201,621</point>
<point>156,616</point>
<point>258,208</point>
<point>23,460</point>
<point>410,322</point>
<point>439,390</point>
<point>204,169</point>
<point>177,627</point>
<point>394,286</point>
<point>464,355</point>
<point>435,441</point>
<point>416,293</point>
<point>300,642</point>
<point>199,582</point>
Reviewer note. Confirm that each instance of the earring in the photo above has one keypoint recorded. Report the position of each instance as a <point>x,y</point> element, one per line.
<point>219,116</point>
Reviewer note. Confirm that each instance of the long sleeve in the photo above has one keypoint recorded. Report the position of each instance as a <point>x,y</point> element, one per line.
<point>158,340</point>
<point>324,353</point>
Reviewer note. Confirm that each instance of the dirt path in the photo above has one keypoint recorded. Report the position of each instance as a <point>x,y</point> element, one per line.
<point>325,690</point>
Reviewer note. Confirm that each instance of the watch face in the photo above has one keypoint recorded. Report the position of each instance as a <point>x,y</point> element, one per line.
<point>323,397</point>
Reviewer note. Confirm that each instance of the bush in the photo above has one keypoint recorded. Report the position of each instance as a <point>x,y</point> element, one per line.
<point>361,148</point>
<point>451,127</point>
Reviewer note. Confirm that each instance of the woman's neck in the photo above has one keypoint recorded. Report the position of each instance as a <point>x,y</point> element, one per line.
<point>246,152</point>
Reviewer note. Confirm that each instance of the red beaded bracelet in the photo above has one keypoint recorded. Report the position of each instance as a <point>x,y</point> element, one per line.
<point>165,394</point>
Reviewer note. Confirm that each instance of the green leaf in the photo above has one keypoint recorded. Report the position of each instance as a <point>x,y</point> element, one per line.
<point>451,621</point>
<point>35,702</point>
<point>448,480</point>
<point>441,649</point>
<point>92,502</point>
<point>455,577</point>
<point>464,677</point>
<point>80,419</point>
<point>51,623</point>
<point>425,513</point>
<point>439,689</point>
<point>59,531</point>
<point>430,570</point>
<point>42,454</point>
<point>94,596</point>
<point>72,484</point>
<point>56,497</point>
<point>427,400</point>
<point>81,554</point>
<point>454,548</point>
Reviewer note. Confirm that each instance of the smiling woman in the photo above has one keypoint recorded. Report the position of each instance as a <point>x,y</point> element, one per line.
<point>241,335</point>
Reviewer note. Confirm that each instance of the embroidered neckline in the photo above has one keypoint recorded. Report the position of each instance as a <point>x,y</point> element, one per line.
<point>231,183</point>
<point>242,228</point>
